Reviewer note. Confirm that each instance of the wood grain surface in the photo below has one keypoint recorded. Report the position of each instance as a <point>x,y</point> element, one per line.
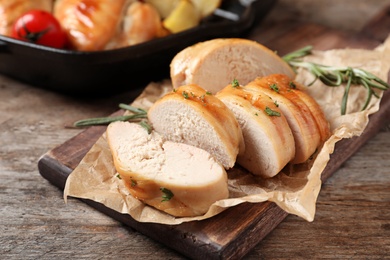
<point>353,210</point>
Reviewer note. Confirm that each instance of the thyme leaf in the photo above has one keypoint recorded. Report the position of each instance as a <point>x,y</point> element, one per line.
<point>271,112</point>
<point>235,83</point>
<point>167,194</point>
<point>185,95</point>
<point>274,87</point>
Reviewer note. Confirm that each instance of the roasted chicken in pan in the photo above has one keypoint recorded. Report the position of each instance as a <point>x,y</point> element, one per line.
<point>89,24</point>
<point>94,25</point>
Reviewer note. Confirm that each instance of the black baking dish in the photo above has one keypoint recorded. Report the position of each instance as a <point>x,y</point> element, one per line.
<point>113,71</point>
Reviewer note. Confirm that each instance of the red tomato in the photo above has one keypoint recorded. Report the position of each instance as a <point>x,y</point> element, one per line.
<point>39,27</point>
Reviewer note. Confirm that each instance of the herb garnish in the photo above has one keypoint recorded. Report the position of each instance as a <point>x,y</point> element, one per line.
<point>185,94</point>
<point>336,76</point>
<point>147,127</point>
<point>167,194</point>
<point>135,110</point>
<point>138,114</point>
<point>271,112</point>
<point>274,87</point>
<point>235,83</point>
<point>292,85</point>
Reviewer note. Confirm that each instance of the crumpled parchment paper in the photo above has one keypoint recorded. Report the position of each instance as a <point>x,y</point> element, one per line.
<point>295,189</point>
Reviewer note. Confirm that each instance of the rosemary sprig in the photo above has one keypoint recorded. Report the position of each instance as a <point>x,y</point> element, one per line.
<point>132,109</point>
<point>138,113</point>
<point>336,76</point>
<point>147,127</point>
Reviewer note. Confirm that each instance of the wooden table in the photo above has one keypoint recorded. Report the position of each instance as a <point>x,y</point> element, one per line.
<point>353,212</point>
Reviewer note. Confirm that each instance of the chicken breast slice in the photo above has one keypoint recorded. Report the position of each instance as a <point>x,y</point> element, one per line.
<point>215,63</point>
<point>191,115</point>
<point>269,142</point>
<point>176,178</point>
<point>299,117</point>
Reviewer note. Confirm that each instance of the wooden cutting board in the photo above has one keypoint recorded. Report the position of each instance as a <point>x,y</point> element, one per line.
<point>233,233</point>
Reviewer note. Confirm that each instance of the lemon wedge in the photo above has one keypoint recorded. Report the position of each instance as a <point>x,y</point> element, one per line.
<point>183,17</point>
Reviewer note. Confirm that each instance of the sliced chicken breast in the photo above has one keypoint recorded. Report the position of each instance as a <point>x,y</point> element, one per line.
<point>269,142</point>
<point>281,89</point>
<point>176,178</point>
<point>215,63</point>
<point>191,115</point>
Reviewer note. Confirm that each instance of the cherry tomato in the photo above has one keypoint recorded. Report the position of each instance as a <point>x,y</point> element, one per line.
<point>39,27</point>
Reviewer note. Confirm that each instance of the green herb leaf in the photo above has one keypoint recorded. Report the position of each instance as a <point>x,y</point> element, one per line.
<point>147,127</point>
<point>235,83</point>
<point>274,87</point>
<point>298,53</point>
<point>292,85</point>
<point>167,194</point>
<point>185,94</point>
<point>132,109</point>
<point>271,112</point>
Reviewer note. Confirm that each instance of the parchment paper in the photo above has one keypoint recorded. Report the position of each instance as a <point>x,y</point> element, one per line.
<point>295,189</point>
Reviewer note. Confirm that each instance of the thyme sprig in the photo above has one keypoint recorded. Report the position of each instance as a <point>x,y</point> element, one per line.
<point>336,76</point>
<point>138,114</point>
